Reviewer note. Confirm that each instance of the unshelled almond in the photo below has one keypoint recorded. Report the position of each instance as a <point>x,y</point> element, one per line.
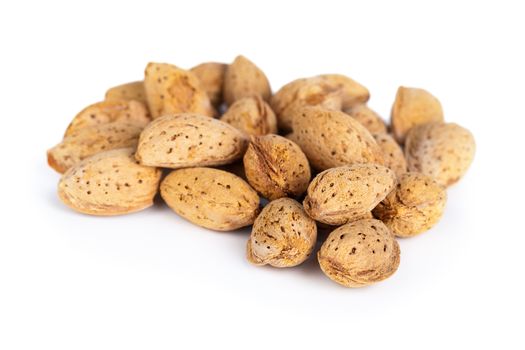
<point>244,79</point>
<point>252,115</point>
<point>392,153</point>
<point>109,183</point>
<point>340,195</point>
<point>189,140</point>
<point>211,76</point>
<point>282,235</point>
<point>210,198</point>
<point>368,117</point>
<point>129,91</point>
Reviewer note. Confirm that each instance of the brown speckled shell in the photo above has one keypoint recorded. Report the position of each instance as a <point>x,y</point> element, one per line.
<point>392,153</point>
<point>129,91</point>
<point>369,118</point>
<point>414,206</point>
<point>340,195</point>
<point>252,115</point>
<point>211,76</point>
<point>360,253</point>
<point>282,235</point>
<point>442,151</point>
<point>244,79</point>
<point>210,198</point>
<point>276,167</point>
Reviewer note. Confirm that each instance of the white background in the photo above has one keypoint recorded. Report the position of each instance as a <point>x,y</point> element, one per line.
<point>153,281</point>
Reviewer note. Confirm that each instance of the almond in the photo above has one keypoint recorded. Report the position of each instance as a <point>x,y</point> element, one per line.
<point>353,93</point>
<point>244,79</point>
<point>109,183</point>
<point>129,91</point>
<point>189,140</point>
<point>252,115</point>
<point>276,167</point>
<point>413,107</point>
<point>171,90</point>
<point>91,140</point>
<point>442,151</point>
<point>360,253</point>
<point>210,198</point>
<point>332,138</point>
<point>282,235</point>
<point>110,111</point>
<point>392,153</point>
<point>368,118</point>
<point>415,206</point>
<point>340,195</point>
<point>211,76</point>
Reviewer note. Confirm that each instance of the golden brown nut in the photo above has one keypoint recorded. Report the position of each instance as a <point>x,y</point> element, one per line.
<point>414,206</point>
<point>129,91</point>
<point>442,151</point>
<point>282,235</point>
<point>91,140</point>
<point>332,138</point>
<point>340,195</point>
<point>353,93</point>
<point>366,116</point>
<point>413,107</point>
<point>392,153</point>
<point>109,183</point>
<point>110,111</point>
<point>211,76</point>
<point>251,115</point>
<point>172,90</point>
<point>360,253</point>
<point>276,167</point>
<point>189,140</point>
<point>210,198</point>
<point>244,79</point>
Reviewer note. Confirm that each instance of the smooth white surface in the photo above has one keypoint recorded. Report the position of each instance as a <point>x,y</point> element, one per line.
<point>153,281</point>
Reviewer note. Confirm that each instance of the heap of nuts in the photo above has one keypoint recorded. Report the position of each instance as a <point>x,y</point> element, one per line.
<point>321,158</point>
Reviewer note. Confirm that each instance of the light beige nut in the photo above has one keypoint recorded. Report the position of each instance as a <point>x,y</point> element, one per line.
<point>171,90</point>
<point>304,92</point>
<point>244,79</point>
<point>413,107</point>
<point>282,235</point>
<point>108,112</point>
<point>129,91</point>
<point>360,253</point>
<point>368,117</point>
<point>353,93</point>
<point>340,195</point>
<point>442,151</point>
<point>414,206</point>
<point>211,76</point>
<point>252,115</point>
<point>109,183</point>
<point>210,198</point>
<point>91,140</point>
<point>189,140</point>
<point>332,138</point>
<point>276,167</point>
<point>392,153</point>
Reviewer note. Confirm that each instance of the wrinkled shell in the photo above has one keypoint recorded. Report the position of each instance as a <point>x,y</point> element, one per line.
<point>251,115</point>
<point>276,167</point>
<point>244,79</point>
<point>360,253</point>
<point>91,140</point>
<point>211,76</point>
<point>108,112</point>
<point>189,140</point>
<point>333,138</point>
<point>442,151</point>
<point>413,107</point>
<point>340,195</point>
<point>368,118</point>
<point>282,235</point>
<point>414,206</point>
<point>109,183</point>
<point>171,90</point>
<point>392,153</point>
<point>130,91</point>
<point>353,93</point>
<point>304,92</point>
<point>210,198</point>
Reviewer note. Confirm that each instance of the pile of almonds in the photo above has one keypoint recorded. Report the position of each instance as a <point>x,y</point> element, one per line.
<point>231,141</point>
